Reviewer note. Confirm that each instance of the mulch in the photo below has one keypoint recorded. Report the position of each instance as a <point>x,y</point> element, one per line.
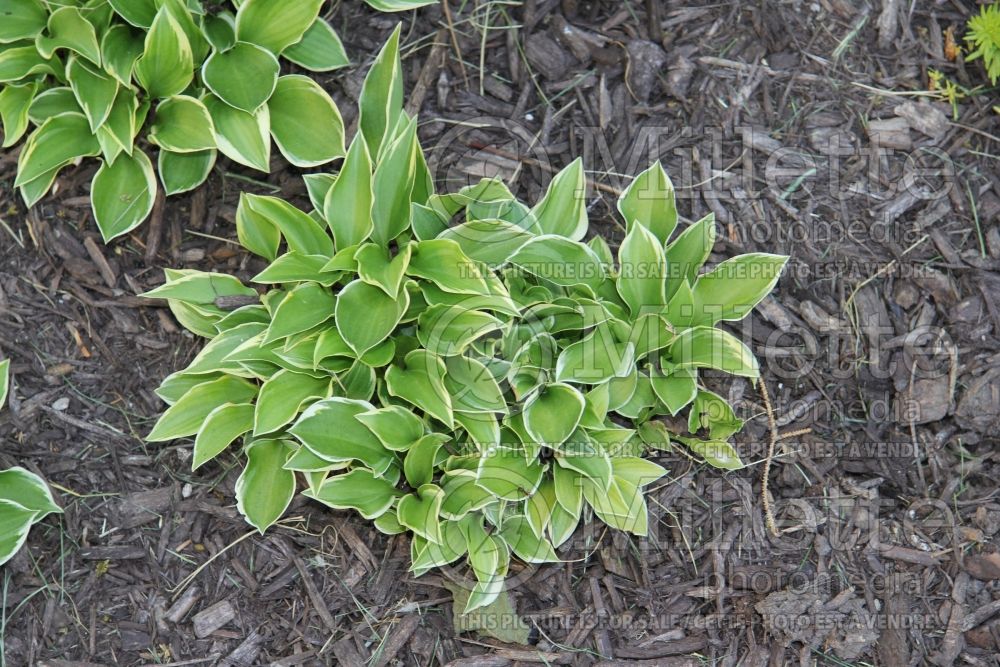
<point>795,124</point>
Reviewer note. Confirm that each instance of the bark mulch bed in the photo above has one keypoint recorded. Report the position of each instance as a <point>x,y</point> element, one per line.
<point>790,121</point>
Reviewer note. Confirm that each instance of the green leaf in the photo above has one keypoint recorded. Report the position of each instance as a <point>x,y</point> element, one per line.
<point>117,134</point>
<point>348,204</point>
<point>463,495</point>
<point>301,309</point>
<point>377,268</point>
<point>68,29</point>
<point>472,387</point>
<point>186,416</point>
<point>649,200</point>
<point>121,47</point>
<point>220,30</point>
<point>52,102</point>
<point>360,490</point>
<point>399,5</point>
<point>140,13</point>
<point>166,66</point>
<point>255,232</point>
<point>221,427</point>
<point>57,142</point>
<point>366,315</point>
<point>561,261</point>
<point>563,211</point>
<point>4,381</point>
<point>95,91</point>
<point>717,453</point>
<point>14,524</point>
<point>182,125</point>
<point>122,194</point>
<point>396,427</point>
<point>14,104</point>
<point>569,489</point>
<point>733,288</point>
<point>553,414</point>
<point>319,50</point>
<point>330,429</point>
<point>282,396</point>
<point>28,490</point>
<point>448,330</point>
<point>676,388</point>
<point>581,455</point>
<point>275,24</point>
<point>381,100</point>
<point>596,358</point>
<point>243,77</point>
<point>305,122</point>
<point>302,233</point>
<point>507,474</point>
<point>492,242</point>
<point>621,505</point>
<point>642,271</point>
<point>199,287</point>
<point>19,62</point>
<point>421,383</point>
<point>442,262</point>
<point>241,136</point>
<point>637,471</point>
<point>688,252</point>
<point>707,347</point>
<point>183,172</point>
<point>420,512</point>
<point>296,267</point>
<point>529,547</point>
<point>22,19</point>
<point>712,412</point>
<point>265,489</point>
<point>392,185</point>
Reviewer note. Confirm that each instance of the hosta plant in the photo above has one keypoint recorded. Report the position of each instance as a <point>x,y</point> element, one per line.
<point>24,497</point>
<point>100,78</point>
<point>460,366</point>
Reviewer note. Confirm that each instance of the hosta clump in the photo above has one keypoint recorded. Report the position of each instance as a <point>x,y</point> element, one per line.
<point>460,366</point>
<point>24,497</point>
<point>91,78</point>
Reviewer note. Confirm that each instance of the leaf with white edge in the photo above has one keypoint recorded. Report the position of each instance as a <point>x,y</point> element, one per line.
<point>28,490</point>
<point>733,288</point>
<point>22,19</point>
<point>675,389</point>
<point>707,347</point>
<point>243,76</point>
<point>139,13</point>
<point>448,330</point>
<point>302,232</point>
<point>4,381</point>
<point>688,252</point>
<point>420,512</point>
<point>568,489</point>
<point>319,50</point>
<point>395,426</point>
<point>121,47</point>
<point>712,412</point>
<point>220,30</point>
<point>399,5</point>
<point>579,454</point>
<point>553,414</point>
<point>650,201</point>
<point>68,29</point>
<point>265,489</point>
<point>330,430</point>
<point>563,209</point>
<point>122,194</point>
<point>472,386</point>
<point>301,309</point>
<point>57,142</point>
<point>637,471</point>
<point>348,204</point>
<point>596,358</point>
<point>241,136</point>
<point>275,24</point>
<point>507,474</point>
<point>282,397</point>
<point>296,267</point>
<point>14,524</point>
<point>183,172</point>
<point>14,104</point>
<point>717,453</point>
<point>561,261</point>
<point>562,525</point>
<point>442,262</point>
<point>366,315</point>
<point>186,416</point>
<point>463,495</point>
<point>392,184</point>
<point>381,100</point>
<point>117,135</point>
<point>522,540</point>
<point>182,125</point>
<point>94,89</point>
<point>421,383</point>
<point>255,232</point>
<point>221,427</point>
<point>166,66</point>
<point>377,267</point>
<point>359,490</point>
<point>642,271</point>
<point>19,62</point>
<point>621,505</point>
<point>199,287</point>
<point>492,242</point>
<point>305,122</point>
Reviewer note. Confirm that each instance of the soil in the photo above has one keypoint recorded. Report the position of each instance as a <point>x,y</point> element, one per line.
<point>806,128</point>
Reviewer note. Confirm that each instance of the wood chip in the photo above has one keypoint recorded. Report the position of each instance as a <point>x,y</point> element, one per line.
<point>209,620</point>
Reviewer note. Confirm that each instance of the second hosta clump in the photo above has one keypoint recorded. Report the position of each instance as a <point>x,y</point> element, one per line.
<point>461,366</point>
